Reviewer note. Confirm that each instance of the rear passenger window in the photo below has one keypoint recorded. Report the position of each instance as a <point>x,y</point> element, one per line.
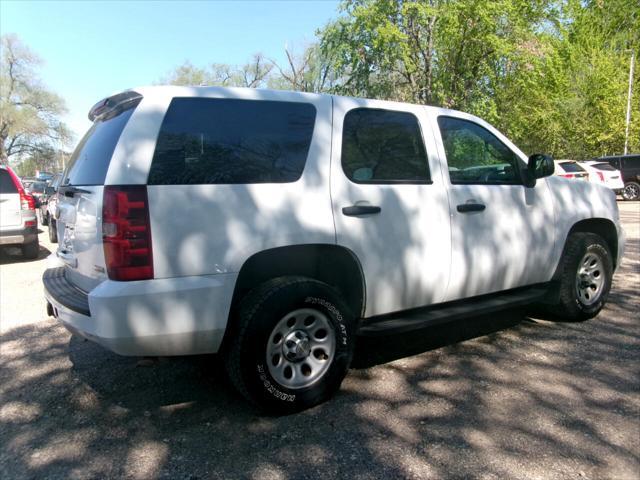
<point>6,183</point>
<point>383,146</point>
<point>210,140</point>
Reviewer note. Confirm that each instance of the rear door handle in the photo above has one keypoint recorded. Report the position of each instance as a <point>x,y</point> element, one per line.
<point>358,210</point>
<point>470,207</point>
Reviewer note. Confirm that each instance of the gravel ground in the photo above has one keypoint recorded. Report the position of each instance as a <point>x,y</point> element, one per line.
<point>499,397</point>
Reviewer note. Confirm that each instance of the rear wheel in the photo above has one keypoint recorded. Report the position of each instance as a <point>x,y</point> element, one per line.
<point>290,344</point>
<point>44,217</point>
<point>31,250</point>
<point>53,233</point>
<point>631,191</point>
<point>586,272</point>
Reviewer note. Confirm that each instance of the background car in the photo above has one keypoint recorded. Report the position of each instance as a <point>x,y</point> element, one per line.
<point>44,176</point>
<point>44,213</point>
<point>36,189</point>
<point>629,166</point>
<point>18,223</point>
<point>604,174</point>
<point>570,169</point>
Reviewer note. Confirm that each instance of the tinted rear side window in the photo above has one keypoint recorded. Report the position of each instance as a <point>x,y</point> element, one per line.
<point>6,183</point>
<point>571,167</point>
<point>383,146</point>
<point>90,161</point>
<point>604,166</point>
<point>631,162</point>
<point>228,141</point>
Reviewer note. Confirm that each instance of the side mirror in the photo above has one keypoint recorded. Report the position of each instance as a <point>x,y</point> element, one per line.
<point>538,166</point>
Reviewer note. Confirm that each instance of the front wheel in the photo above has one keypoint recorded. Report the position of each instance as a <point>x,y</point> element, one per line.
<point>631,191</point>
<point>585,277</point>
<point>290,344</point>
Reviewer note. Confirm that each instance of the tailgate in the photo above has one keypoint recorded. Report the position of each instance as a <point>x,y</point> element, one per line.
<point>80,195</point>
<point>80,236</point>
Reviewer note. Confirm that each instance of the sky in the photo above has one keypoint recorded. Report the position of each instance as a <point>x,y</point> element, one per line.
<point>92,49</point>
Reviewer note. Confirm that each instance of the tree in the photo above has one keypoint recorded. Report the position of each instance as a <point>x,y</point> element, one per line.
<point>550,74</point>
<point>309,72</point>
<point>253,74</point>
<point>29,112</point>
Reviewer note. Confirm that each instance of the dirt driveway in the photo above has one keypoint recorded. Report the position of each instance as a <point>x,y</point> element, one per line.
<point>499,397</point>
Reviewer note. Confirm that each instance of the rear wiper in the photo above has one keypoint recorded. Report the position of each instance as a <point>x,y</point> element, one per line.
<point>70,190</point>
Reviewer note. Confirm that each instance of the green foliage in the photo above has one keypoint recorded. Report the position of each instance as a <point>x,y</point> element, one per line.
<point>552,75</point>
<point>29,112</point>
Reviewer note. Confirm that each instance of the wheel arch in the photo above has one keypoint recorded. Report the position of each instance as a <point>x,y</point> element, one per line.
<point>603,227</point>
<point>332,264</point>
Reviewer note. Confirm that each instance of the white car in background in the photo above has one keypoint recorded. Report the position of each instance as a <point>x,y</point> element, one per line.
<point>604,174</point>
<point>18,223</point>
<point>570,169</point>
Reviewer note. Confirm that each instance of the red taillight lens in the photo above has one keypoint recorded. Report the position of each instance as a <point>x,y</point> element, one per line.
<point>27,202</point>
<point>567,175</point>
<point>601,176</point>
<point>126,233</point>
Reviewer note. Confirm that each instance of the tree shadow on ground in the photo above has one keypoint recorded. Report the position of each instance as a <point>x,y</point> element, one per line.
<point>504,395</point>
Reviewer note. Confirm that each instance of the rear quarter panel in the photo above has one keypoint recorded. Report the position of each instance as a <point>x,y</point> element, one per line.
<point>213,229</point>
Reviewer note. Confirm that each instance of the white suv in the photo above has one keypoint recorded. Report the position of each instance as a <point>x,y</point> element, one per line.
<point>18,223</point>
<point>274,227</point>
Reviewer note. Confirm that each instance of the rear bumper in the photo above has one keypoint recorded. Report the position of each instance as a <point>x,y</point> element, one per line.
<point>162,317</point>
<point>19,236</point>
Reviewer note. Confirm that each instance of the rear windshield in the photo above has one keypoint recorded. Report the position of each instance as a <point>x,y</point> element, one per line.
<point>571,167</point>
<point>207,140</point>
<point>603,166</point>
<point>37,187</point>
<point>90,161</point>
<point>6,183</point>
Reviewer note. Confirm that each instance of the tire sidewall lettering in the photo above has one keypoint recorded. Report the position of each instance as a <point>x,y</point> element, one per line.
<point>336,315</point>
<point>270,388</point>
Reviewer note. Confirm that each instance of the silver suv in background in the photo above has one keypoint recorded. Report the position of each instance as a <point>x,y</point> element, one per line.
<point>18,224</point>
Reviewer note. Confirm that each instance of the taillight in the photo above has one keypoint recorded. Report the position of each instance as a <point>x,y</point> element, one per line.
<point>27,202</point>
<point>126,233</point>
<point>601,176</point>
<point>567,175</point>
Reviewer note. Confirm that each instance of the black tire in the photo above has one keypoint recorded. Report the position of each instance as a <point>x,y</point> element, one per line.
<point>31,250</point>
<point>44,217</point>
<point>631,191</point>
<point>571,304</point>
<point>253,327</point>
<point>53,232</point>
